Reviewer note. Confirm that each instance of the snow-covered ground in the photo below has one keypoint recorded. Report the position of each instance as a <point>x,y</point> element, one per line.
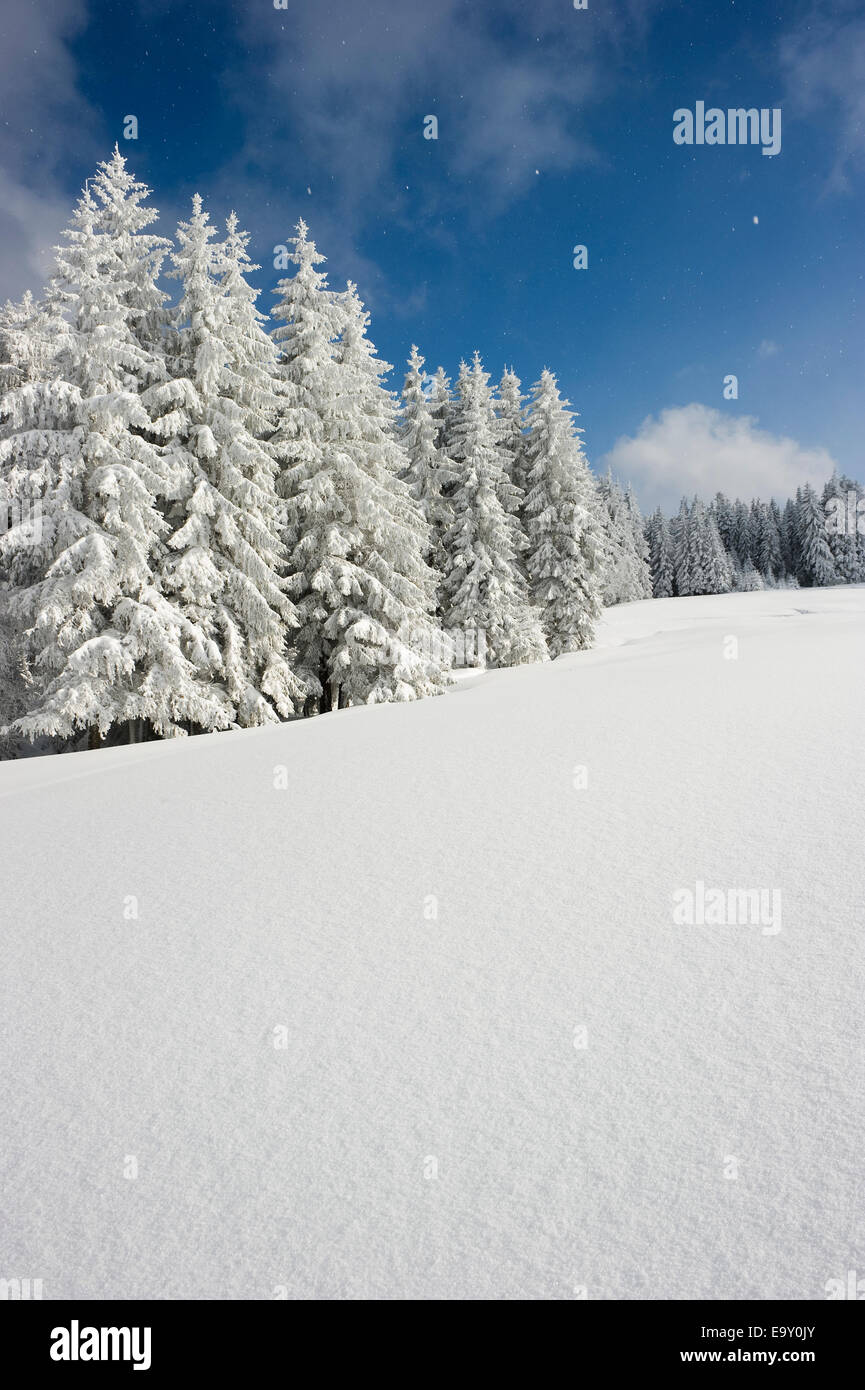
<point>419,1023</point>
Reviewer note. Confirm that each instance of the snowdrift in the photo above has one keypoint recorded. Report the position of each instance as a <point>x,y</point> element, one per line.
<point>392,1003</point>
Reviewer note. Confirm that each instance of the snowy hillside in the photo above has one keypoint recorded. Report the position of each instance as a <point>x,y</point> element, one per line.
<point>413,1018</point>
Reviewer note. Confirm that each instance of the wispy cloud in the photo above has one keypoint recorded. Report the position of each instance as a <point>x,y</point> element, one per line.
<point>42,112</point>
<point>352,84</point>
<point>331,97</point>
<point>823,62</point>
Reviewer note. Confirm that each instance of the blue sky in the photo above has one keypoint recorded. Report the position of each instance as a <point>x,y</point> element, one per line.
<point>555,129</point>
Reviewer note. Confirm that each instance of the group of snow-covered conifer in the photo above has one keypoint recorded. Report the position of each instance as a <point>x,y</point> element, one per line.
<point>210,525</point>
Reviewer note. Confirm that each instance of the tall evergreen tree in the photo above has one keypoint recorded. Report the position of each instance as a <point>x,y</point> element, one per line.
<point>682,550</point>
<point>660,545</point>
<point>751,577</point>
<point>441,405</point>
<point>817,567</point>
<point>778,524</point>
<point>642,572</point>
<point>104,646</point>
<point>697,549</point>
<point>483,589</point>
<point>228,553</point>
<point>743,543</point>
<point>841,497</point>
<point>429,471</point>
<point>768,542</point>
<point>365,596</point>
<point>566,549</point>
<point>510,415</point>
<point>712,570</point>
<point>626,568</point>
<point>725,519</point>
<point>787,532</point>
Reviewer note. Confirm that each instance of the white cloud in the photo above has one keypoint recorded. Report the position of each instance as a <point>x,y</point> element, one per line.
<point>695,448</point>
<point>767,348</point>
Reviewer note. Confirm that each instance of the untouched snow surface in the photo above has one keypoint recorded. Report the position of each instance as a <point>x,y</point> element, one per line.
<point>431,1122</point>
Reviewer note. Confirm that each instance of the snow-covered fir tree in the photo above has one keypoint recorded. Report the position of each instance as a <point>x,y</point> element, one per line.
<point>643,578</point>
<point>725,519</point>
<point>701,565</point>
<point>103,645</point>
<point>743,541</point>
<point>767,541</point>
<point>751,578</point>
<point>775,512</point>
<point>227,551</point>
<point>565,557</point>
<point>510,415</point>
<point>714,567</point>
<point>441,405</point>
<point>509,494</point>
<point>626,570</point>
<point>845,515</point>
<point>682,550</point>
<point>816,563</point>
<point>365,596</point>
<point>787,530</point>
<point>429,472</point>
<point>484,591</point>
<point>661,559</point>
<point>696,551</point>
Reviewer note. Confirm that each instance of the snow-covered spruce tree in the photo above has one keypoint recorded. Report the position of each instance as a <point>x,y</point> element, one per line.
<point>720,565</point>
<point>682,550</point>
<point>754,519</point>
<point>698,548</point>
<point>768,542</point>
<point>510,419</point>
<point>104,647</point>
<point>725,519</point>
<point>660,544</point>
<point>743,543</point>
<point>402,589</point>
<point>817,567</point>
<point>565,557</point>
<point>841,500</point>
<point>365,596</point>
<point>712,574</point>
<point>26,352</point>
<point>484,591</point>
<point>626,568</point>
<point>789,555</point>
<point>441,404</point>
<point>227,551</point>
<point>778,521</point>
<point>752,579</point>
<point>856,525</point>
<point>429,471</point>
<point>795,539</point>
<point>510,495</point>
<point>735,571</point>
<point>643,578</point>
